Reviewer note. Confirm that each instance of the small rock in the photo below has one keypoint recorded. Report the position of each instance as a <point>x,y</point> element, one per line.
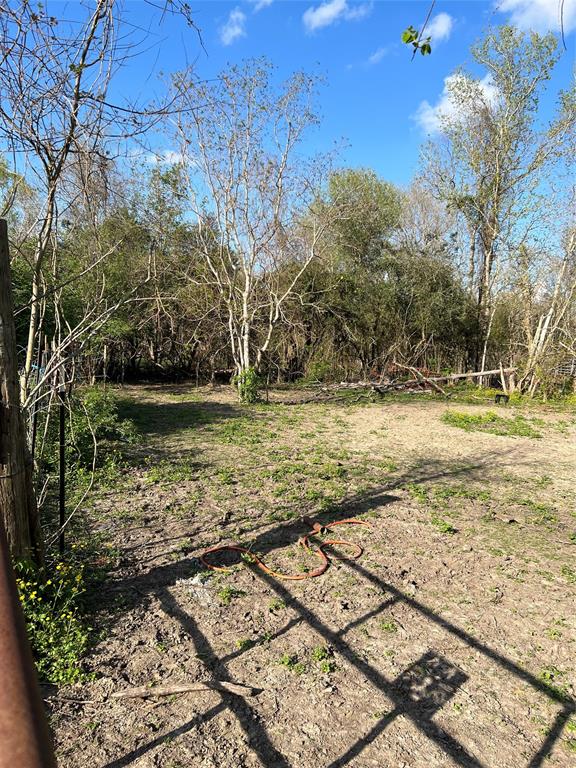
<point>410,587</point>
<point>311,730</point>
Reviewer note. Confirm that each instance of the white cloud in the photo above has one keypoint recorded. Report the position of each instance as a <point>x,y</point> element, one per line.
<point>378,55</point>
<point>332,11</point>
<point>260,4</point>
<point>539,15</point>
<point>448,107</point>
<point>234,28</point>
<point>164,156</point>
<point>355,12</point>
<point>439,28</point>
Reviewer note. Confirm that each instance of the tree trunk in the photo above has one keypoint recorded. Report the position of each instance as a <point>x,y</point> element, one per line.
<point>34,327</point>
<point>17,500</point>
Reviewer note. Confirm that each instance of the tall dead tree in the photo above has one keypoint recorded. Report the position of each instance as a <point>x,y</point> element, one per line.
<point>17,499</point>
<point>252,195</point>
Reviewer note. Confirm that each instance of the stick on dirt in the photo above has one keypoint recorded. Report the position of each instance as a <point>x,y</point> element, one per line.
<point>169,690</point>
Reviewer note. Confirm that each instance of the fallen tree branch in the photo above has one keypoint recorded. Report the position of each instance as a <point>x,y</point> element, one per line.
<point>423,379</point>
<point>330,392</point>
<point>472,375</point>
<point>145,691</point>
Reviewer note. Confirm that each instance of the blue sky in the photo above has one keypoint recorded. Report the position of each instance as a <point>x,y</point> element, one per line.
<point>374,93</point>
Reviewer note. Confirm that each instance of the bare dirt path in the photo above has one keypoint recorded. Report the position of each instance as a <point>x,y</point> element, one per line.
<point>450,642</point>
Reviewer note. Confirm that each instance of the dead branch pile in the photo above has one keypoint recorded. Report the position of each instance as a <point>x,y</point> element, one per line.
<point>367,389</point>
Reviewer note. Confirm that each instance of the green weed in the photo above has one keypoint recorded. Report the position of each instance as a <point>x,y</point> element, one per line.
<point>551,677</point>
<point>324,657</point>
<point>442,525</point>
<point>417,492</point>
<point>320,652</point>
<point>226,476</point>
<point>227,594</point>
<point>569,574</point>
<point>290,661</point>
<point>276,604</point>
<point>55,626</point>
<point>492,423</point>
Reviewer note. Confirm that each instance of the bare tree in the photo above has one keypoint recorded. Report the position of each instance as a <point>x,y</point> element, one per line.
<point>546,328</point>
<point>55,111</point>
<point>53,87</point>
<point>252,195</point>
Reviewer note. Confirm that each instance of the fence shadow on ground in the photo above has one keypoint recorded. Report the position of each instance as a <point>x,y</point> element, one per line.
<point>416,698</point>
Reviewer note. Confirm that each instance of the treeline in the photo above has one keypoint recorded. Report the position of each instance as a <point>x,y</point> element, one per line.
<point>240,257</point>
<point>380,291</point>
<point>389,287</point>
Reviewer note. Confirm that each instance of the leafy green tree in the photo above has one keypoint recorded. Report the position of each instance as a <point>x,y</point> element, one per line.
<point>492,159</point>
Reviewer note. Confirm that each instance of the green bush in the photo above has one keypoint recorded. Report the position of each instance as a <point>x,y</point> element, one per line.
<point>249,385</point>
<point>92,416</point>
<point>319,370</point>
<point>52,610</point>
<point>52,599</point>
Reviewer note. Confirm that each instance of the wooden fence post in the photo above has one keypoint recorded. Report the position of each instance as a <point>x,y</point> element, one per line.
<point>17,499</point>
<point>24,735</point>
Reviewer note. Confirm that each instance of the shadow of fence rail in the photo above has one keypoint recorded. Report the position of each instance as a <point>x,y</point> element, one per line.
<point>417,693</point>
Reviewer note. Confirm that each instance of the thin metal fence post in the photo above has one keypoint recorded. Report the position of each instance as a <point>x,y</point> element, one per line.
<point>62,466</point>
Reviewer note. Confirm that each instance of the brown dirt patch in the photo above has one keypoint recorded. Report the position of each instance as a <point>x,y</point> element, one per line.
<point>450,642</point>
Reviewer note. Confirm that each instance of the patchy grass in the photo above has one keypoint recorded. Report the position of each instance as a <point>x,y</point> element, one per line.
<point>445,492</point>
<point>569,574</point>
<point>462,524</point>
<point>492,423</point>
<point>170,471</point>
<point>541,513</point>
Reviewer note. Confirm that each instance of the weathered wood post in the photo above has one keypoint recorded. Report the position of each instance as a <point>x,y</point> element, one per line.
<point>24,735</point>
<point>17,499</point>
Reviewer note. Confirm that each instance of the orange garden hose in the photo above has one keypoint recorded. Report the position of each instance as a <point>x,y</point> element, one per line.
<point>318,551</point>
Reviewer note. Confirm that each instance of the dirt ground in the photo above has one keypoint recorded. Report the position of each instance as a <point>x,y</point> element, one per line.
<point>451,641</point>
